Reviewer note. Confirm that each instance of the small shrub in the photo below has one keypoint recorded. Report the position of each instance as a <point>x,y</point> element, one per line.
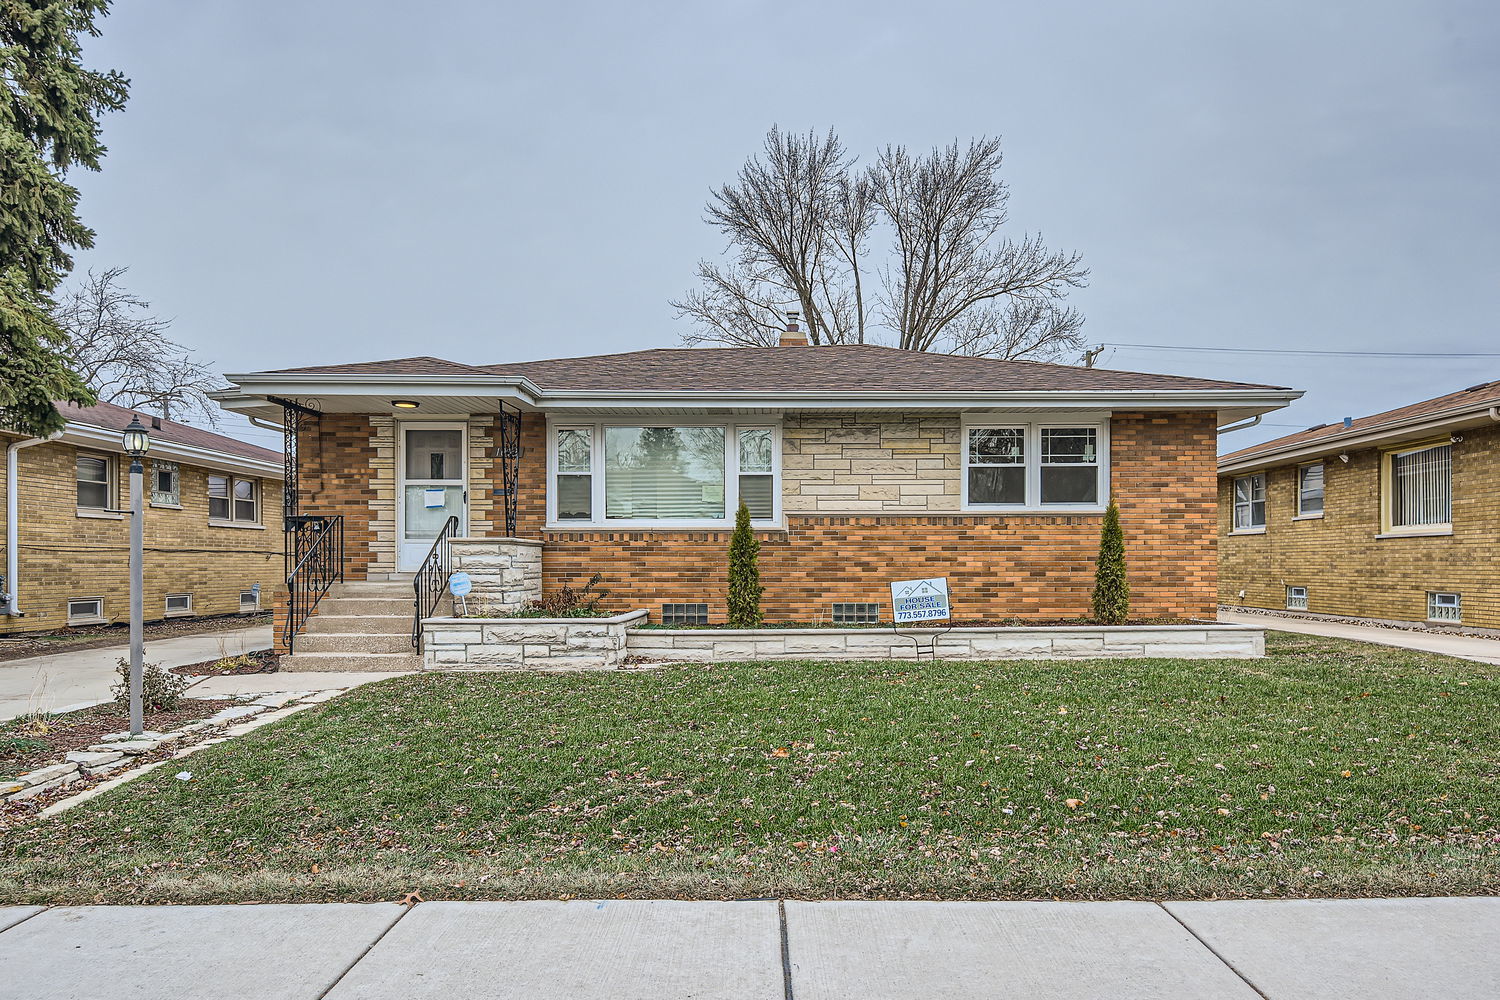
<point>1111,600</point>
<point>565,602</point>
<point>161,690</point>
<point>744,573</point>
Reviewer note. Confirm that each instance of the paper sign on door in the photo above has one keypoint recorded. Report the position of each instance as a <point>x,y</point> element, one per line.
<point>435,498</point>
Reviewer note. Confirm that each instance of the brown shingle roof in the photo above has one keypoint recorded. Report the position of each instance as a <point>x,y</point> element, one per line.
<point>842,367</point>
<point>1475,397</point>
<point>395,366</point>
<point>116,418</point>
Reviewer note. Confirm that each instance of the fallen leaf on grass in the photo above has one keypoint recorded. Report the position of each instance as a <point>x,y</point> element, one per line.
<point>411,898</point>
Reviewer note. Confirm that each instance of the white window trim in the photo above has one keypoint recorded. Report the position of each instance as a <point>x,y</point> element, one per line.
<point>170,612</point>
<point>1307,515</point>
<point>1459,606</point>
<point>246,608</point>
<point>1033,424</point>
<point>1388,528</point>
<point>99,619</point>
<point>1289,605</point>
<point>231,521</point>
<point>111,488</point>
<point>1265,485</point>
<point>731,426</point>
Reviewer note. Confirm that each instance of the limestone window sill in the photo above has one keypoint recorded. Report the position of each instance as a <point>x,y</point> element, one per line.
<point>167,506</point>
<point>1248,531</point>
<point>1308,517</point>
<point>1440,533</point>
<point>88,621</point>
<point>99,515</point>
<point>178,614</point>
<point>242,525</point>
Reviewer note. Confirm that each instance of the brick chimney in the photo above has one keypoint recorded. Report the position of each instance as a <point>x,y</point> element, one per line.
<point>792,336</point>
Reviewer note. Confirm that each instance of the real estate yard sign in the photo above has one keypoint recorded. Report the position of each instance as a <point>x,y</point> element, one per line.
<point>920,600</point>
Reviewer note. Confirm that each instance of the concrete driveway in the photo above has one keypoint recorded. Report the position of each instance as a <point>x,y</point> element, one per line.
<point>1463,646</point>
<point>759,950</point>
<point>59,682</point>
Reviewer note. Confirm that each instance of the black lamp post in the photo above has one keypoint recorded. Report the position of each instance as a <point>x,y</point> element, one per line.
<point>136,441</point>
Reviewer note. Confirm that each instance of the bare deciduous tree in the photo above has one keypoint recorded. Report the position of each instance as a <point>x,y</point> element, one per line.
<point>124,354</point>
<point>799,221</point>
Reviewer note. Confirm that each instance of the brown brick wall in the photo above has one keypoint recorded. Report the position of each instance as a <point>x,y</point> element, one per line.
<point>1346,568</point>
<point>998,566</point>
<point>65,556</point>
<point>337,462</point>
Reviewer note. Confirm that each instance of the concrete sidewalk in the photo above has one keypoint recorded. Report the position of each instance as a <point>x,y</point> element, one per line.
<point>1465,647</point>
<point>1282,950</point>
<point>65,680</point>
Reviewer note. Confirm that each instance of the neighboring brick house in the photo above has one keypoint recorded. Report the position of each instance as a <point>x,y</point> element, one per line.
<point>1394,517</point>
<point>861,465</point>
<point>212,526</point>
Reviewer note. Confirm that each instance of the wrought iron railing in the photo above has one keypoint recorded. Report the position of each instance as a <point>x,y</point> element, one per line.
<point>431,581</point>
<point>315,550</point>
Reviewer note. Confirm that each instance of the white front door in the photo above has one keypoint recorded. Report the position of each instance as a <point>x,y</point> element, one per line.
<point>432,486</point>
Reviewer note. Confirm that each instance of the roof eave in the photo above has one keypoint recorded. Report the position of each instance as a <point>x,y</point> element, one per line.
<point>1459,417</point>
<point>108,439</point>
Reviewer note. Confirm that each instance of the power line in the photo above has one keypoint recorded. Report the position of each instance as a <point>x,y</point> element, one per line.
<point>1319,354</point>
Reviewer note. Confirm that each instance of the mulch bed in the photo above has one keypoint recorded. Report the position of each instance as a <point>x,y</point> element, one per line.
<point>23,749</point>
<point>260,661</point>
<point>99,636</point>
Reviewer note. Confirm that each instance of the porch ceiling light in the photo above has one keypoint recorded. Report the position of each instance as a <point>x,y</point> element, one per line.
<point>405,404</point>
<point>136,439</point>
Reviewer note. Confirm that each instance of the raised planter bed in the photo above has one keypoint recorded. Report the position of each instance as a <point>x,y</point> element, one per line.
<point>605,643</point>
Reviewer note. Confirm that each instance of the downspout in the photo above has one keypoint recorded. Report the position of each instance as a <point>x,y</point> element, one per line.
<point>13,524</point>
<point>266,425</point>
<point>1241,425</point>
<point>1495,414</point>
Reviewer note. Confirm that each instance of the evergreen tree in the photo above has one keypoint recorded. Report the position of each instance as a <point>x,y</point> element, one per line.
<point>49,111</point>
<point>744,573</point>
<point>1111,590</point>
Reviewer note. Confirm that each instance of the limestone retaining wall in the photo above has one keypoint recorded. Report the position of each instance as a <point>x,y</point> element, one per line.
<point>526,643</point>
<point>506,572</point>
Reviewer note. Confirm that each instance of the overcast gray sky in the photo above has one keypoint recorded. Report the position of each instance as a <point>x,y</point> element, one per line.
<point>310,182</point>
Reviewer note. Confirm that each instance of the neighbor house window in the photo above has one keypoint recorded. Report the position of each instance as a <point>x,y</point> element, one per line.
<point>1029,465</point>
<point>1419,489</point>
<point>1310,489</point>
<point>94,482</point>
<point>1250,502</point>
<point>165,484</point>
<point>1443,607</point>
<point>179,604</point>
<point>1296,598</point>
<point>236,501</point>
<point>85,610</point>
<point>690,474</point>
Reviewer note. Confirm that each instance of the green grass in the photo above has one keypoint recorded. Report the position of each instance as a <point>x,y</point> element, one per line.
<point>1327,768</point>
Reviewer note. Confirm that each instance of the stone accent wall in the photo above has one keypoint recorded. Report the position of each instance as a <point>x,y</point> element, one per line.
<point>506,572</point>
<point>871,462</point>
<point>1202,642</point>
<point>64,555</point>
<point>382,501</point>
<point>1346,569</point>
<point>999,566</point>
<point>526,643</point>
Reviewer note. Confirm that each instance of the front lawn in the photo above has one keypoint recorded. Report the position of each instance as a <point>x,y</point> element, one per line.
<point>1327,768</point>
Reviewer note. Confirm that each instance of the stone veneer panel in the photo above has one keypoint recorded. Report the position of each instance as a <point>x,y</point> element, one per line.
<point>505,572</point>
<point>526,643</point>
<point>870,463</point>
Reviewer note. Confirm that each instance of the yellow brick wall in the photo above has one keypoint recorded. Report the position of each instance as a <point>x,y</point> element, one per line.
<point>65,556</point>
<point>1346,569</point>
<point>870,463</point>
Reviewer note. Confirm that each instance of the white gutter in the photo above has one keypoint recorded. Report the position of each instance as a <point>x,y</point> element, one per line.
<point>1430,422</point>
<point>13,524</point>
<point>1242,425</point>
<point>106,439</point>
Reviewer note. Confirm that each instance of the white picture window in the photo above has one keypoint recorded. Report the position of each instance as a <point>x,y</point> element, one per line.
<point>95,479</point>
<point>663,474</point>
<point>1310,489</point>
<point>85,610</point>
<point>1296,598</point>
<point>1444,607</point>
<point>1419,489</point>
<point>1032,465</point>
<point>234,500</point>
<point>179,604</point>
<point>1250,502</point>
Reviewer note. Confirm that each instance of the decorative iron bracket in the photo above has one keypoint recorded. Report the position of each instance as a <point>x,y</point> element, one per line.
<point>509,452</point>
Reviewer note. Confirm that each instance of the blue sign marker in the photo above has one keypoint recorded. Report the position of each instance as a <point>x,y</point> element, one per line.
<point>459,584</point>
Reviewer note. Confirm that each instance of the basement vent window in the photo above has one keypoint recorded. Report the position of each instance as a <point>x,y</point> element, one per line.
<point>1296,598</point>
<point>85,611</point>
<point>684,614</point>
<point>179,604</point>
<point>1443,607</point>
<point>249,600</point>
<point>855,613</point>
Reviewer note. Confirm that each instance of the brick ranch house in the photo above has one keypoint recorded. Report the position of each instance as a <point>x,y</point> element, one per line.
<point>860,465</point>
<point>1394,517</point>
<point>212,526</point>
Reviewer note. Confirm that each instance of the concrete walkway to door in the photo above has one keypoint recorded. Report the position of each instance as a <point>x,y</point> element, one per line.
<point>1333,949</point>
<point>1463,646</point>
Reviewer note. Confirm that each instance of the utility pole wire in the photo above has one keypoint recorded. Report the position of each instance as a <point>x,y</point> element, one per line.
<point>1318,354</point>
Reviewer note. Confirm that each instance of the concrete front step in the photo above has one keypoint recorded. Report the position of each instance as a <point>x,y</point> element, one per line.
<point>381,662</point>
<point>362,588</point>
<point>356,642</point>
<point>328,624</point>
<point>366,606</point>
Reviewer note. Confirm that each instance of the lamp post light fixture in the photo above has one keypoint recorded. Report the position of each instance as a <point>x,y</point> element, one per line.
<point>136,441</point>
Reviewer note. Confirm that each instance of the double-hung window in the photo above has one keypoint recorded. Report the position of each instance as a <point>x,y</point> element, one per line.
<point>1310,490</point>
<point>1419,490</point>
<point>233,500</point>
<point>663,474</point>
<point>1034,465</point>
<point>1250,502</point>
<point>95,479</point>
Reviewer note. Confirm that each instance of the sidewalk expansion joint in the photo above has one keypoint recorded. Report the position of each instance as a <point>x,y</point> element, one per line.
<point>786,953</point>
<point>1213,951</point>
<point>368,948</point>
